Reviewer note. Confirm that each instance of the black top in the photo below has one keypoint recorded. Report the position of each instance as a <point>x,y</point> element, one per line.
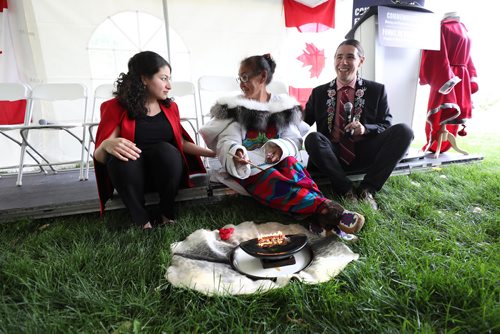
<point>150,130</point>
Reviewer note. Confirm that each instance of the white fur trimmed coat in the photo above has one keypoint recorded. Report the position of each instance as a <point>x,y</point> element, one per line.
<point>232,116</point>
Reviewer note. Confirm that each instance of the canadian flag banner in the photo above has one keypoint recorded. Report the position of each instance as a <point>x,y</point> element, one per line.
<point>308,52</point>
<point>301,94</point>
<point>310,15</point>
<point>10,112</point>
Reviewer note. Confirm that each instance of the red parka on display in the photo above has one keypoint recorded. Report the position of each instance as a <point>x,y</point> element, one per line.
<point>451,74</point>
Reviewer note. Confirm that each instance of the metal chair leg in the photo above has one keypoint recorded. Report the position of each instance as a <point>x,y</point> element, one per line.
<point>82,156</point>
<point>19,181</point>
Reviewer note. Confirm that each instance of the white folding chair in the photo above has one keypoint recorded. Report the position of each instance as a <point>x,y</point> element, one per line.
<point>212,87</point>
<point>217,86</point>
<point>184,94</point>
<point>16,92</point>
<point>277,87</point>
<point>101,93</point>
<point>76,116</point>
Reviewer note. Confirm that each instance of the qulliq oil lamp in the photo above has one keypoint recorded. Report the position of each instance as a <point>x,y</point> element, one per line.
<point>272,255</point>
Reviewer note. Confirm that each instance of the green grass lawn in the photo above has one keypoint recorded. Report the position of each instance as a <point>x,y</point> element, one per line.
<point>429,263</point>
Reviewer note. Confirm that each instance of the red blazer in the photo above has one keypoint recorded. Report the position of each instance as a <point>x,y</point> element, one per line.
<point>113,115</point>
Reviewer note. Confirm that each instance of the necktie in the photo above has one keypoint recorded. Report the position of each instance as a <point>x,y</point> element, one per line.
<point>346,143</point>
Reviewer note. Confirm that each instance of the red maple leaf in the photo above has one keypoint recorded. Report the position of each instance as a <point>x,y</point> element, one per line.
<point>313,57</point>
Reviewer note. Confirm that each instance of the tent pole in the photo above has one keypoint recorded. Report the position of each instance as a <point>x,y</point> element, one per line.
<point>167,33</point>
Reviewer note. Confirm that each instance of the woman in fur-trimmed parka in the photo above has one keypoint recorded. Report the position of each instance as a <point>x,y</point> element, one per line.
<point>258,136</point>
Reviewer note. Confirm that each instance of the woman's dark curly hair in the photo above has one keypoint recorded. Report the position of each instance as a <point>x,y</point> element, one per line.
<point>130,90</point>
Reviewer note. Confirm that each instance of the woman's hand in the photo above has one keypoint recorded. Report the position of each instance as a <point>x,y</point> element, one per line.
<point>239,158</point>
<point>211,154</point>
<point>121,148</point>
<point>191,148</point>
<point>273,153</point>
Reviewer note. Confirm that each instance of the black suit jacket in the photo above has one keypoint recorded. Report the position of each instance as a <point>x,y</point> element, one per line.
<point>375,117</point>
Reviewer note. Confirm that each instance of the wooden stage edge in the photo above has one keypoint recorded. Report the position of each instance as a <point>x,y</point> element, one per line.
<point>62,194</point>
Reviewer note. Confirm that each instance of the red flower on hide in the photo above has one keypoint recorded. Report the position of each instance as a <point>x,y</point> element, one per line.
<point>225,233</point>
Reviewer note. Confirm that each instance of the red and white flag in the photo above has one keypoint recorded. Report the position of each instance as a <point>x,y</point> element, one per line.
<point>308,51</point>
<point>310,15</point>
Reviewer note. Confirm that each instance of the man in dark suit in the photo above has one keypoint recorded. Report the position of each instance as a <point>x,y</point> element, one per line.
<point>354,131</point>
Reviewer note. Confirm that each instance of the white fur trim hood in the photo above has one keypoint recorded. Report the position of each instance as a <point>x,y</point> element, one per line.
<point>282,110</point>
<point>277,103</point>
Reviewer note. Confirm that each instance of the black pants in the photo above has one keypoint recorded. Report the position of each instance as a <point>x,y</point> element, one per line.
<point>159,168</point>
<point>377,156</point>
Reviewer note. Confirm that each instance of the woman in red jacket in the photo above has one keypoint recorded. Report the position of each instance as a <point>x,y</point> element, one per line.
<point>140,143</point>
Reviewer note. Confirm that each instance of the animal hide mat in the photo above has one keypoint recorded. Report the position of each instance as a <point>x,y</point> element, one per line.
<point>201,262</point>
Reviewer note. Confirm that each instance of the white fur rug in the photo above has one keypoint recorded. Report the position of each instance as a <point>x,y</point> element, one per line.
<point>190,268</point>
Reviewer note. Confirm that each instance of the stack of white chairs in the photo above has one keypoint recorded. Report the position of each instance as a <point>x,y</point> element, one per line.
<point>56,94</point>
<point>184,94</point>
<point>101,93</point>
<point>210,88</point>
<point>277,87</point>
<point>15,92</point>
<point>192,108</point>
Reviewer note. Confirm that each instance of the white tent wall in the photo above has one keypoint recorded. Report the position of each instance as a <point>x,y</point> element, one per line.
<point>217,34</point>
<point>63,30</point>
<point>220,33</point>
<point>52,44</point>
<point>24,46</point>
<point>27,45</point>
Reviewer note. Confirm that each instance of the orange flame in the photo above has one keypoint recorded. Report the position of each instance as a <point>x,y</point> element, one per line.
<point>270,240</point>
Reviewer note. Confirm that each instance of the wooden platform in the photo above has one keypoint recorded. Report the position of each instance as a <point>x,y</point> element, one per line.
<point>62,194</point>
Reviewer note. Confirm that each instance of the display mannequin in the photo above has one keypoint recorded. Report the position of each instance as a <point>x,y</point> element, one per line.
<point>451,74</point>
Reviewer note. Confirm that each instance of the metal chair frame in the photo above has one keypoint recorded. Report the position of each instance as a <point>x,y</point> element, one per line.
<point>15,92</point>
<point>216,85</point>
<point>187,88</point>
<point>101,93</point>
<point>54,92</point>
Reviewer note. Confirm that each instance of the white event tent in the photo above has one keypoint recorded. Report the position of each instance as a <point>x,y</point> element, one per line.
<point>90,42</point>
